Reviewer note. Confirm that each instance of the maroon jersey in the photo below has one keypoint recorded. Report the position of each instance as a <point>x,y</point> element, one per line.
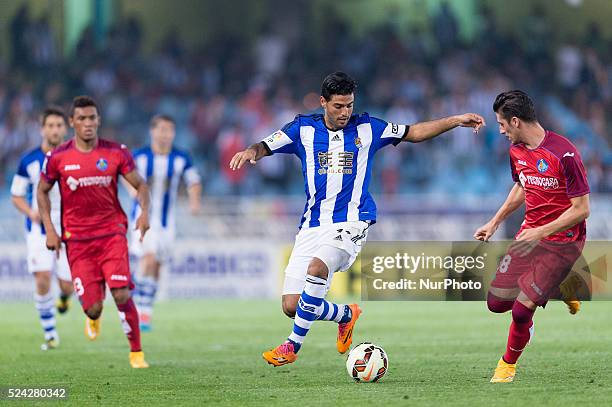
<point>88,188</point>
<point>551,174</point>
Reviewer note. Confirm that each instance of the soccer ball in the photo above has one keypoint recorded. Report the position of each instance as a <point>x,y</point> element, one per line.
<point>367,362</point>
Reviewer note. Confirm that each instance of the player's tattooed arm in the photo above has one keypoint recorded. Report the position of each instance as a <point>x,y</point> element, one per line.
<point>515,199</point>
<point>426,130</point>
<point>144,200</point>
<point>252,154</point>
<point>54,242</point>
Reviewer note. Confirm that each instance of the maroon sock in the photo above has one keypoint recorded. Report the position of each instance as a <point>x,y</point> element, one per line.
<point>519,332</point>
<point>129,321</point>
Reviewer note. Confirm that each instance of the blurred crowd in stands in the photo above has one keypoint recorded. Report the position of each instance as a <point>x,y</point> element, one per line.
<point>232,93</point>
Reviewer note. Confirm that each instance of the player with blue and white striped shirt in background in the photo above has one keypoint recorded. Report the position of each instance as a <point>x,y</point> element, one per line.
<point>336,150</point>
<point>41,261</point>
<point>163,167</point>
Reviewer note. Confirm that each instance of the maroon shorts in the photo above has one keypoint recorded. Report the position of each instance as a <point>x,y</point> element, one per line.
<point>96,262</point>
<point>539,273</point>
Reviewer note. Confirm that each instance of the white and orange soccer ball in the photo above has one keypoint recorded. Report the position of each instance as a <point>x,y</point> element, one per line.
<point>367,362</point>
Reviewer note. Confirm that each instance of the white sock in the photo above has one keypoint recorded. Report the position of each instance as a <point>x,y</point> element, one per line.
<point>308,309</point>
<point>46,313</point>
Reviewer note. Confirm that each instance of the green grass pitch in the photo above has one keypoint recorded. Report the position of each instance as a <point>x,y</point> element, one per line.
<point>209,352</point>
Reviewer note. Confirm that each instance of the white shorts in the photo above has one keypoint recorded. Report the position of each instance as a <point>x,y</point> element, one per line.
<point>337,245</point>
<point>42,259</point>
<point>157,242</point>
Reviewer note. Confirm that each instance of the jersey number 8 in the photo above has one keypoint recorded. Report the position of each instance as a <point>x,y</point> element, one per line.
<point>504,263</point>
<point>78,286</point>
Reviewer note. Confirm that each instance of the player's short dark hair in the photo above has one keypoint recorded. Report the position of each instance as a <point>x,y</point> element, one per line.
<point>83,101</point>
<point>161,118</point>
<point>515,103</point>
<point>52,111</point>
<point>337,83</point>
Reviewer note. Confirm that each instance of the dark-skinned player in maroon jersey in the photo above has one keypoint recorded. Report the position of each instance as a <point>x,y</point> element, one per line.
<point>551,180</point>
<point>94,225</point>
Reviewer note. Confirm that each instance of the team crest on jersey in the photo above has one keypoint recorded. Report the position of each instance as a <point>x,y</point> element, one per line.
<point>102,164</point>
<point>542,166</point>
<point>358,142</point>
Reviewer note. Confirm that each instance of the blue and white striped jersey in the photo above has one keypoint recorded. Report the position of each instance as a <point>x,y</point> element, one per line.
<point>163,174</point>
<point>25,183</point>
<point>336,165</point>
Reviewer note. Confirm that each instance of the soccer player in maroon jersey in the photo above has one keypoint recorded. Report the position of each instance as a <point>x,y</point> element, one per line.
<point>550,178</point>
<point>94,225</point>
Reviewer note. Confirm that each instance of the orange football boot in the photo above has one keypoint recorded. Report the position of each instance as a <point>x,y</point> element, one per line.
<point>345,331</point>
<point>281,355</point>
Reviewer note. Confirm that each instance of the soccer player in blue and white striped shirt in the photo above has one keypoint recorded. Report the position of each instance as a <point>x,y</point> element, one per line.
<point>163,166</point>
<point>41,261</point>
<point>336,150</point>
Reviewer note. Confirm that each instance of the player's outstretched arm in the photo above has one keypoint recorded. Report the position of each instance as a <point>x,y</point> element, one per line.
<point>515,199</point>
<point>54,242</point>
<point>142,195</point>
<point>252,154</point>
<point>426,130</point>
